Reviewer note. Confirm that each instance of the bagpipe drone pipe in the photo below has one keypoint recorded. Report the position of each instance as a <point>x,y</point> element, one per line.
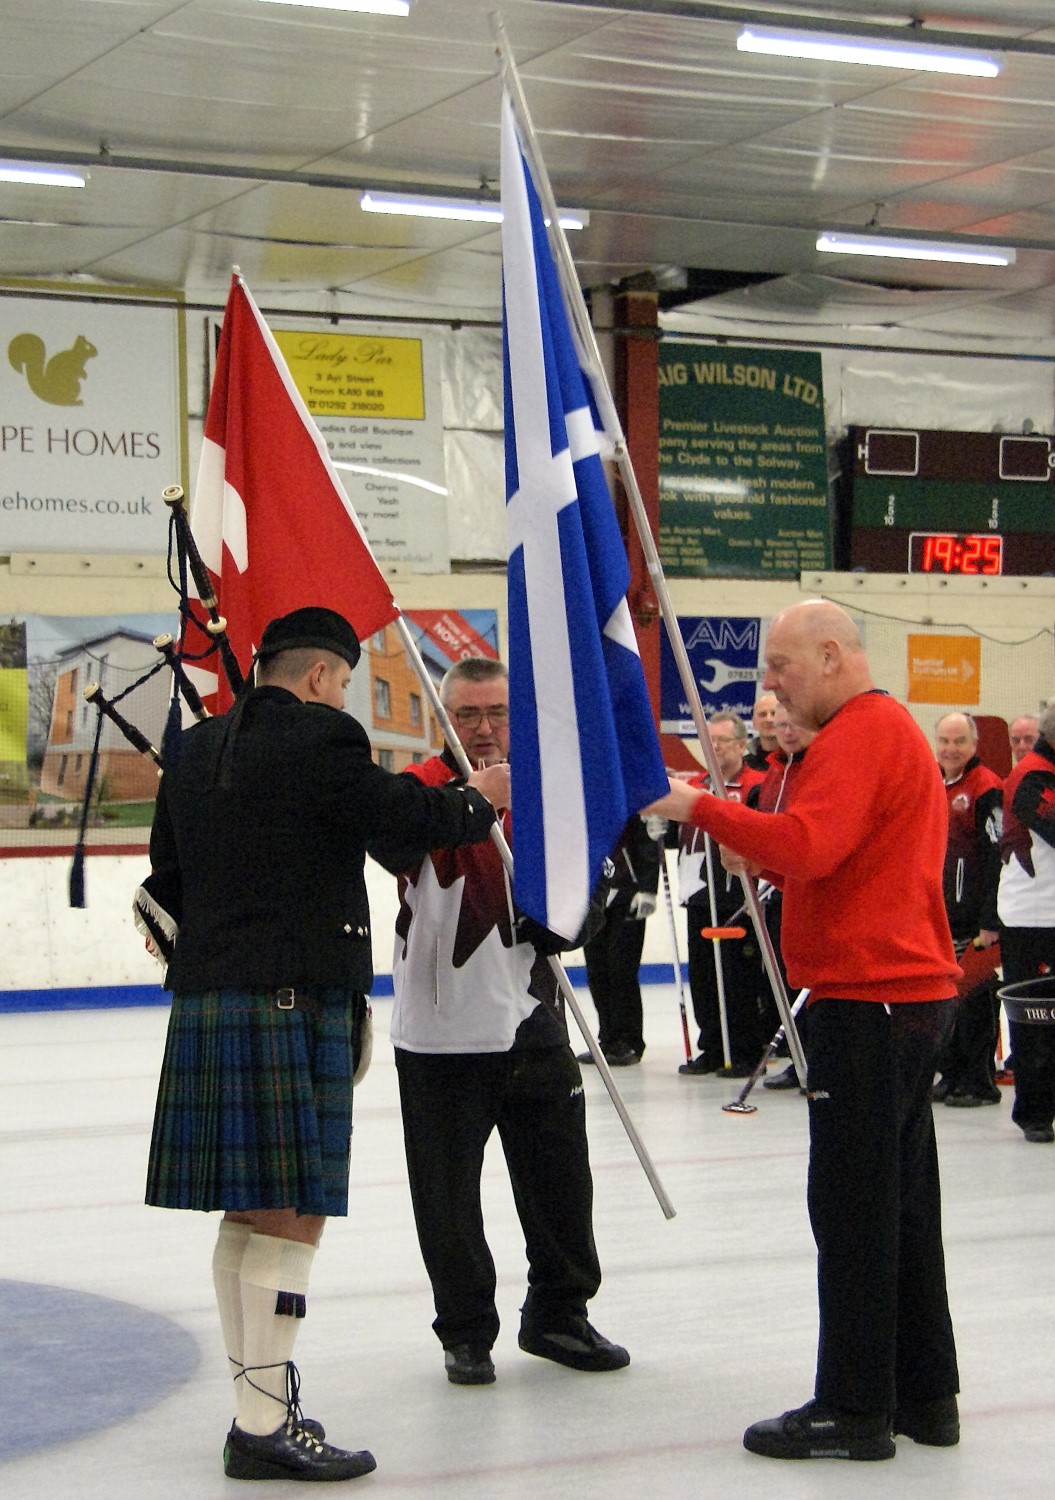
<point>183,551</point>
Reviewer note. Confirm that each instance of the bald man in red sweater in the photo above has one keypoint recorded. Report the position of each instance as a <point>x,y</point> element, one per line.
<point>864,928</point>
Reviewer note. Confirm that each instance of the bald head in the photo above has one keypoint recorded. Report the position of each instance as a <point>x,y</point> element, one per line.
<point>815,661</point>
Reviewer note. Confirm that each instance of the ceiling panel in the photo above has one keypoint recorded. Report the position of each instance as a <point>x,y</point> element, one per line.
<point>38,48</point>
<point>687,152</point>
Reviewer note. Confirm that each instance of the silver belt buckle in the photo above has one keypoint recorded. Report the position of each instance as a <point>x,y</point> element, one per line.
<point>286,998</point>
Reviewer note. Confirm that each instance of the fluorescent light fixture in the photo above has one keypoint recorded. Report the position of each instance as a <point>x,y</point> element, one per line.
<point>365,7</point>
<point>824,47</point>
<point>895,249</point>
<point>472,210</point>
<point>40,175</point>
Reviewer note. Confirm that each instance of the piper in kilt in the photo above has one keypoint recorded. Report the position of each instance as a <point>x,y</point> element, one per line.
<point>257,897</point>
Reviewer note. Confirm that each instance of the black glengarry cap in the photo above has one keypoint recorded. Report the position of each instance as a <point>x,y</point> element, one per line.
<point>311,628</point>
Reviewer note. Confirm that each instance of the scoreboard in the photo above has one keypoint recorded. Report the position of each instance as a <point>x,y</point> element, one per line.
<point>952,503</point>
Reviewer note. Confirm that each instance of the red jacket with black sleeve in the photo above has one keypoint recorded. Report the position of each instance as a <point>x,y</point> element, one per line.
<point>972,856</point>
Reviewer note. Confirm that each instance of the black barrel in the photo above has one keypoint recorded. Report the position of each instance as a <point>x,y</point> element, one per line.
<point>1031,1002</point>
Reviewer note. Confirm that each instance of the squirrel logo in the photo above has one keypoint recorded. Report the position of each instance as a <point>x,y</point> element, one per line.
<point>56,380</point>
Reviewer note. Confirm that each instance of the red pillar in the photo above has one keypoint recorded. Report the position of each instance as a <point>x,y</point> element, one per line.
<point>637,397</point>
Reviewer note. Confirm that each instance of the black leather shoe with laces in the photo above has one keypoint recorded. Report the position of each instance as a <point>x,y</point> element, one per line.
<point>290,1453</point>
<point>935,1423</point>
<point>573,1342</point>
<point>814,1431</point>
<point>469,1364</point>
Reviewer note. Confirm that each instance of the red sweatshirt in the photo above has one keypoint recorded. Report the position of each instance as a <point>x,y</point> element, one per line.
<point>860,849</point>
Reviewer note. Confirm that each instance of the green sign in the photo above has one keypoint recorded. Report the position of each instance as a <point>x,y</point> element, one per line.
<point>743,466</point>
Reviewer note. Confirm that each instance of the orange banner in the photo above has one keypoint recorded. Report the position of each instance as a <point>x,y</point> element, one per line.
<point>944,669</point>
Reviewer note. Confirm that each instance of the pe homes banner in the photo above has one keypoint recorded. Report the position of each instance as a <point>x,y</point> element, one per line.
<point>91,423</point>
<point>743,471</point>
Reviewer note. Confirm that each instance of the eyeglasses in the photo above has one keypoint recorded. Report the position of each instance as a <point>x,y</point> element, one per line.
<point>469,718</point>
<point>724,739</point>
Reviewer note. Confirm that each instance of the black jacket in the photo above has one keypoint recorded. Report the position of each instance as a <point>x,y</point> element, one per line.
<point>258,856</point>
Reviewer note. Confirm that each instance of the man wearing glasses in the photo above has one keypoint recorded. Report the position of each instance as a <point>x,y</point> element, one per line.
<point>481,1044</point>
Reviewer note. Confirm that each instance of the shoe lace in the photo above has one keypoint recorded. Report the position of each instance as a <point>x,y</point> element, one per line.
<point>291,1400</point>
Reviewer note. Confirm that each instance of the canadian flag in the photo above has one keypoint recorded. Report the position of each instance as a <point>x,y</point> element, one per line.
<point>270,516</point>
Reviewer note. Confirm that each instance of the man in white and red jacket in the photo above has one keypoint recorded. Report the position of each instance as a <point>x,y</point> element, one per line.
<point>969,881</point>
<point>860,854</point>
<point>1027,911</point>
<point>481,1045</point>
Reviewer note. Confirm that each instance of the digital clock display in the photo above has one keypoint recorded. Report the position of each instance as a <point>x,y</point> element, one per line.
<point>957,552</point>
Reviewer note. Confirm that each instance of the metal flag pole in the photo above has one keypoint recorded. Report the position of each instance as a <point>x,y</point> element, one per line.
<point>583,331</point>
<point>677,957</point>
<point>716,949</point>
<point>558,969</point>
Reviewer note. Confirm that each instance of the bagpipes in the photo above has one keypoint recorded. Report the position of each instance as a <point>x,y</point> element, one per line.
<point>187,550</point>
<point>189,565</point>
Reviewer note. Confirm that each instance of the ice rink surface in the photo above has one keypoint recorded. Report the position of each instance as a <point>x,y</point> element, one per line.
<point>115,1378</point>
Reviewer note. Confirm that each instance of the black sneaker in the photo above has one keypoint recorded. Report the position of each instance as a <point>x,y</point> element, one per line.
<point>469,1364</point>
<point>290,1454</point>
<point>936,1423</point>
<point>575,1343</point>
<point>622,1055</point>
<point>698,1066</point>
<point>736,1070</point>
<point>1040,1134</point>
<point>789,1079</point>
<point>964,1100</point>
<point>940,1091</point>
<point>813,1431</point>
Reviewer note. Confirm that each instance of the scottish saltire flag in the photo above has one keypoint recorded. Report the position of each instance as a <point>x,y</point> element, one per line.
<point>271,518</point>
<point>584,749</point>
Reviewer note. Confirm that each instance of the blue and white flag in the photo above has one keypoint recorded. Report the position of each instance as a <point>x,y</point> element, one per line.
<point>584,751</point>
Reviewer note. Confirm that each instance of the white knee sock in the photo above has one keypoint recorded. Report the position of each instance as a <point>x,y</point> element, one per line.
<point>226,1268</point>
<point>274,1280</point>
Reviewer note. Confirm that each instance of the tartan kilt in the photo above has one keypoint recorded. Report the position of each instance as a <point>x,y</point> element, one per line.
<point>254,1107</point>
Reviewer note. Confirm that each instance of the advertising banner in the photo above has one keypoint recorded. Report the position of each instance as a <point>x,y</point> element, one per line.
<point>14,709</point>
<point>944,669</point>
<point>743,467</point>
<point>91,423</point>
<point>376,400</point>
<point>725,654</point>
